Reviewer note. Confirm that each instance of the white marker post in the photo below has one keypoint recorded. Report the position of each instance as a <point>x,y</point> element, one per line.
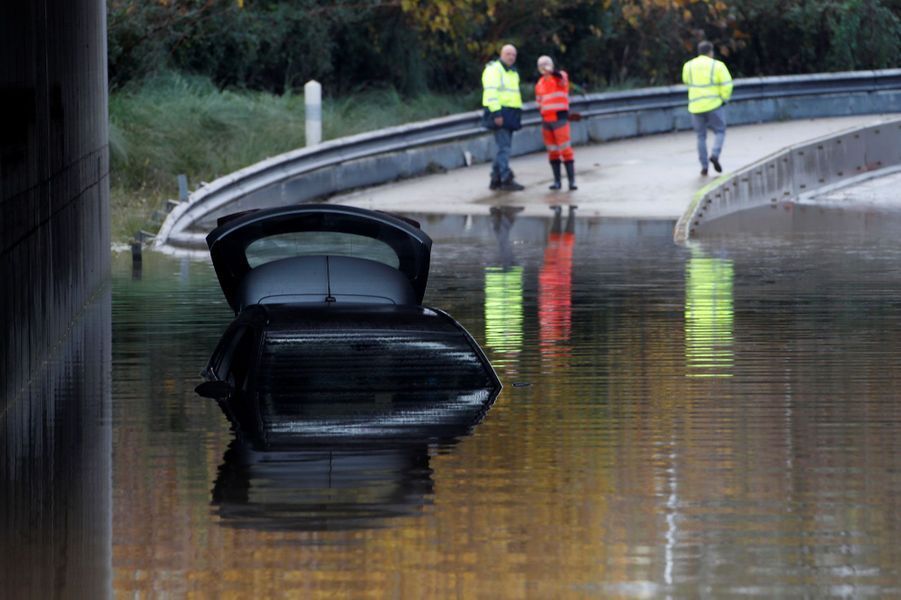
<point>312,98</point>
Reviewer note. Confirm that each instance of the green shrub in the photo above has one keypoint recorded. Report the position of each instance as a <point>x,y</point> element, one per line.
<point>172,124</point>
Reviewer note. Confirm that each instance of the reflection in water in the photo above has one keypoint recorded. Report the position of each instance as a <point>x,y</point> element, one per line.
<point>555,287</point>
<point>709,316</point>
<point>622,478</point>
<point>137,261</point>
<point>321,488</point>
<point>810,217</point>
<point>322,460</point>
<point>504,293</point>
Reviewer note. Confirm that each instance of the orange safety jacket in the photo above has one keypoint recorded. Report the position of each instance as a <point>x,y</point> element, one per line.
<point>552,95</point>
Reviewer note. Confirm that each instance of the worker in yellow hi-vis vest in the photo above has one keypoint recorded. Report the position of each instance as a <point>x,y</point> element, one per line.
<point>503,114</point>
<point>709,88</point>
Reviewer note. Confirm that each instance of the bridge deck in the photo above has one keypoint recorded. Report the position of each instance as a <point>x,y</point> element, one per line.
<point>651,177</point>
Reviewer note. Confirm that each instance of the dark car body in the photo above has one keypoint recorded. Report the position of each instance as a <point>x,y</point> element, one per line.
<point>331,341</point>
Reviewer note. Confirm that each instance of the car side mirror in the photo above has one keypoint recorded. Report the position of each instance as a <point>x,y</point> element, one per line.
<point>217,390</point>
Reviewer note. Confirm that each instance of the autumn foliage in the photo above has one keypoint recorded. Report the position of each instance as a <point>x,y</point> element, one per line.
<point>441,45</point>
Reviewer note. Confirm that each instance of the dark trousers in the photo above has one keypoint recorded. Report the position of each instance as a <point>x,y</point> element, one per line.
<point>500,168</point>
<point>715,120</point>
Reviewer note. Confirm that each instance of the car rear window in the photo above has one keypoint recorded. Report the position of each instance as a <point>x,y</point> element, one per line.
<point>319,243</point>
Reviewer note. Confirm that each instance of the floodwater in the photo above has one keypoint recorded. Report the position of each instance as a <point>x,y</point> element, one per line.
<point>719,420</point>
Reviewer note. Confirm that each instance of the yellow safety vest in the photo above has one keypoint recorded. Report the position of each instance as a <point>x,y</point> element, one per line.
<point>500,87</point>
<point>709,83</point>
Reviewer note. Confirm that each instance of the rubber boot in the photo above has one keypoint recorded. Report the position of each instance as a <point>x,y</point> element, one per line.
<point>571,174</point>
<point>555,167</point>
<point>510,185</point>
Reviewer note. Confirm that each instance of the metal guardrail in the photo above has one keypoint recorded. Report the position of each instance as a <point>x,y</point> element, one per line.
<point>793,172</point>
<point>384,155</point>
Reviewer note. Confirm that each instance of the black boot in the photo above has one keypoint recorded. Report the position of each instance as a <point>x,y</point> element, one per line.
<point>495,182</point>
<point>555,167</point>
<point>571,174</point>
<point>509,185</point>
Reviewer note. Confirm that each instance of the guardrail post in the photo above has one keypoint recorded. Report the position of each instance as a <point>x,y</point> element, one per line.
<point>182,188</point>
<point>312,99</point>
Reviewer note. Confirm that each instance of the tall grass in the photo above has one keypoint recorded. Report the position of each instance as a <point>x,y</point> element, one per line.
<point>174,124</point>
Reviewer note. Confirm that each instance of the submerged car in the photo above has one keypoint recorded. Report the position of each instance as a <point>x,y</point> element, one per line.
<point>331,341</point>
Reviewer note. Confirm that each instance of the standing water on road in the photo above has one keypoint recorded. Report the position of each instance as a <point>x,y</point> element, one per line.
<point>714,420</point>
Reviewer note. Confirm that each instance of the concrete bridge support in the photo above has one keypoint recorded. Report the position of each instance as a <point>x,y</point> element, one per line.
<point>54,166</point>
<point>55,443</point>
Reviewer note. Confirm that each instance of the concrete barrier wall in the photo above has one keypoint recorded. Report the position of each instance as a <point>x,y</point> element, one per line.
<point>794,171</point>
<point>390,154</point>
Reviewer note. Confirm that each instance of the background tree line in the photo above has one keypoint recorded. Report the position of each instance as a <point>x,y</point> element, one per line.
<point>441,46</point>
<point>205,87</point>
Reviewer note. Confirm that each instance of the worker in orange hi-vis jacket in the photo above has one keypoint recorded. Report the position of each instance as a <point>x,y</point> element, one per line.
<point>552,96</point>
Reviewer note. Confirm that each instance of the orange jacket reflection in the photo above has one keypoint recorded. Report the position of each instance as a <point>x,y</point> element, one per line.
<point>555,295</point>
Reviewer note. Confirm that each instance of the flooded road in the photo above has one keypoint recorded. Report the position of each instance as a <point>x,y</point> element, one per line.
<point>720,420</point>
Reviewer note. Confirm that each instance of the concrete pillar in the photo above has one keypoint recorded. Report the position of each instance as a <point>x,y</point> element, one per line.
<point>312,98</point>
<point>55,447</point>
<point>54,168</point>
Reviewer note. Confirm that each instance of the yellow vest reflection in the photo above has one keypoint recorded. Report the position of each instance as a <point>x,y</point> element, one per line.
<point>503,313</point>
<point>503,293</point>
<point>709,316</point>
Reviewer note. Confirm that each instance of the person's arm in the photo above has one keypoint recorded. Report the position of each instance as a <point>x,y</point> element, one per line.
<point>724,81</point>
<point>575,88</point>
<point>686,73</point>
<point>491,83</point>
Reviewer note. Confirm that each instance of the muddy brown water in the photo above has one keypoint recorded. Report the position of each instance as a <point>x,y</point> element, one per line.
<point>719,420</point>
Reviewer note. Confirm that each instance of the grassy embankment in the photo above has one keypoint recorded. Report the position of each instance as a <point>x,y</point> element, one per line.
<point>175,124</point>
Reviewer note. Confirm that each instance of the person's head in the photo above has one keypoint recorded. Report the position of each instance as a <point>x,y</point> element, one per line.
<point>705,47</point>
<point>545,65</point>
<point>508,55</point>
